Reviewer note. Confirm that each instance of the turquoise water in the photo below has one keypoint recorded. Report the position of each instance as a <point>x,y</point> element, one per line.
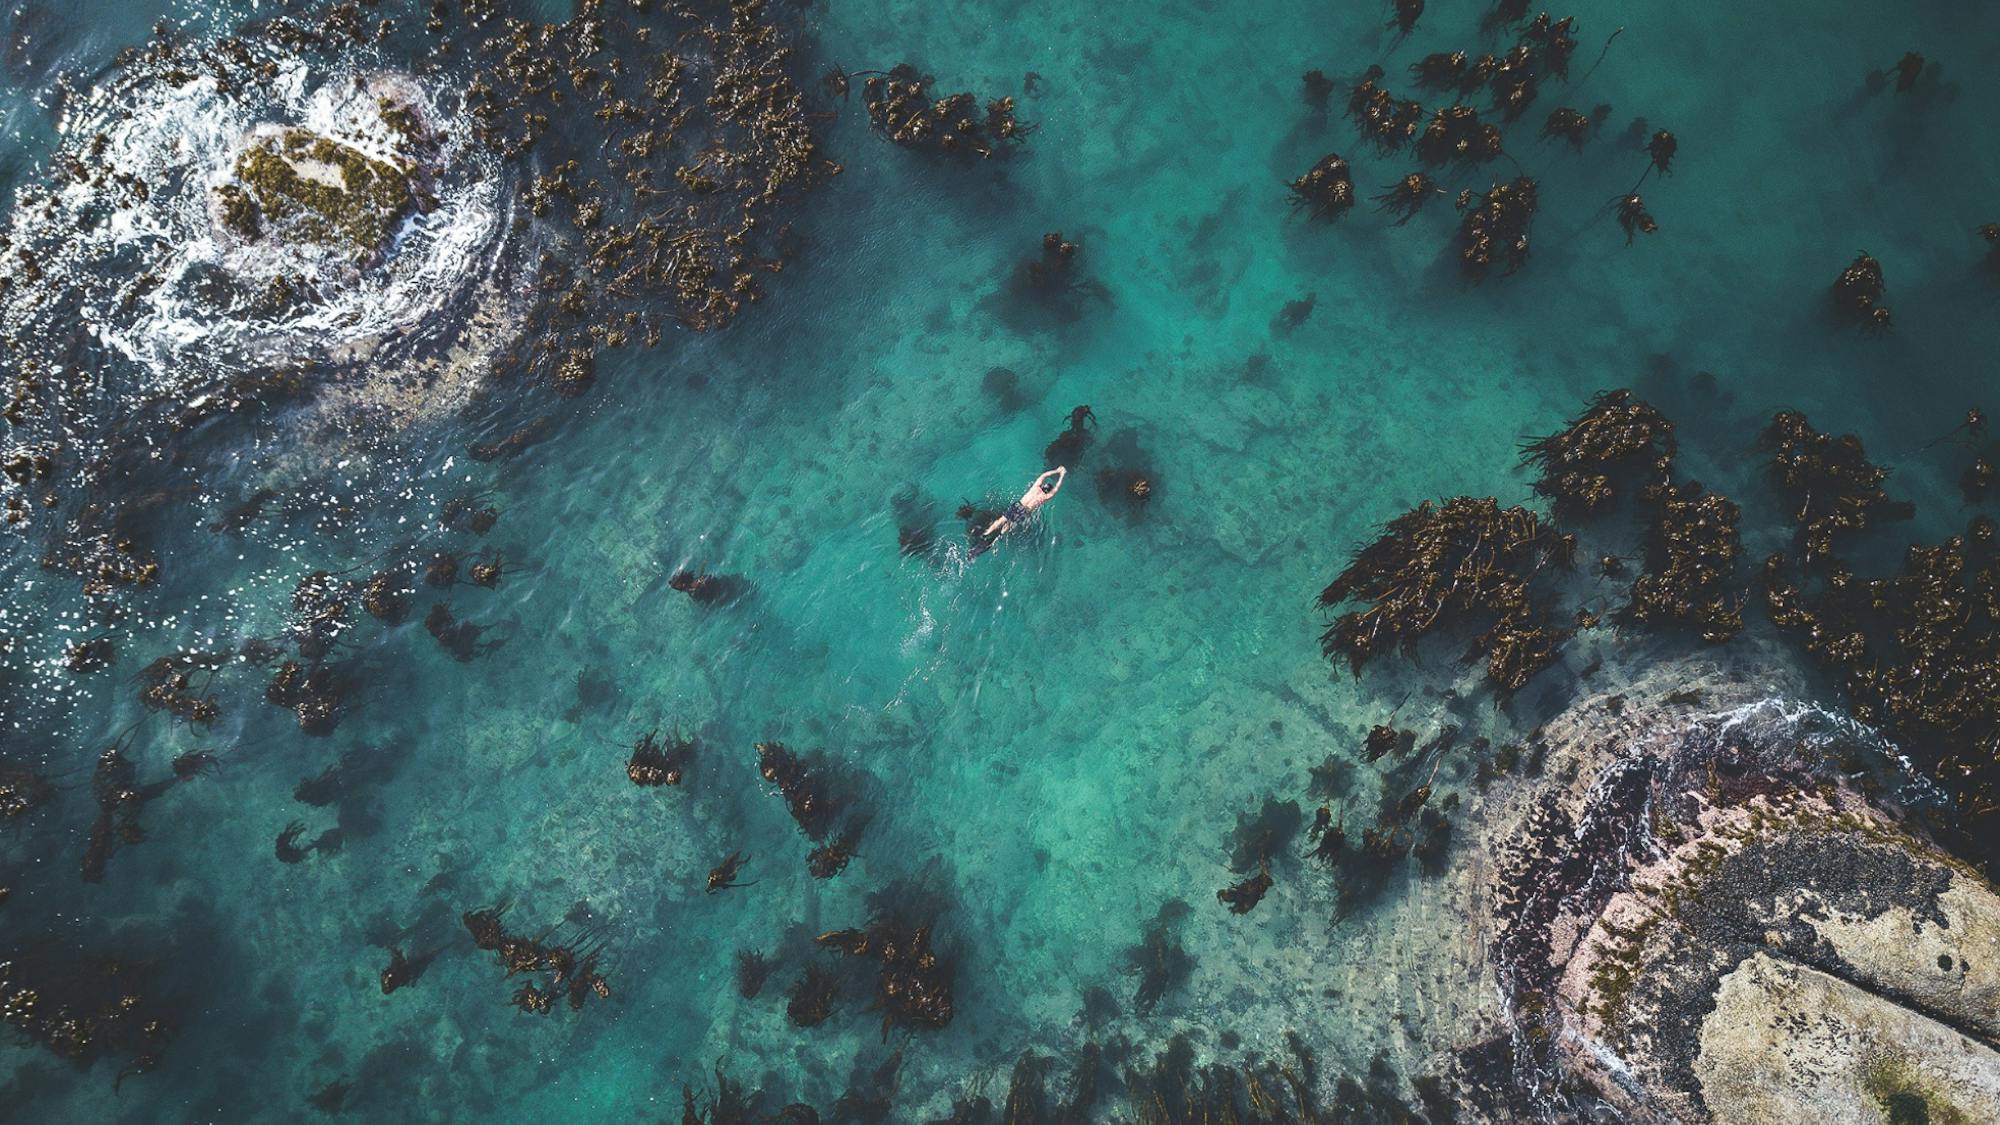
<point>1057,739</point>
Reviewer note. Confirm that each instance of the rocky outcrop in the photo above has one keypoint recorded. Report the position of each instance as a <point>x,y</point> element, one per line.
<point>346,191</point>
<point>1714,909</point>
<point>1786,1043</point>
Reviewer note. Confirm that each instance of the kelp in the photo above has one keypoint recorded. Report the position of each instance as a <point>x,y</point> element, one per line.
<point>1464,564</point>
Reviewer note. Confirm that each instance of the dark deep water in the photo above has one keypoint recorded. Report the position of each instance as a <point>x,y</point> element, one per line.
<point>1049,745</point>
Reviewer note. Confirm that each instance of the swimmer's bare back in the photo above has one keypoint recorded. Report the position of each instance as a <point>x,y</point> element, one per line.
<point>1039,493</point>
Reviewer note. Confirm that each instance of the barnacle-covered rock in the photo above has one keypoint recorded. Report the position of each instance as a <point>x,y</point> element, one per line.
<point>1718,911</point>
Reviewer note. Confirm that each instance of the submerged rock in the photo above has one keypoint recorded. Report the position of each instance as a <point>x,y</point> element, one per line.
<point>1716,909</point>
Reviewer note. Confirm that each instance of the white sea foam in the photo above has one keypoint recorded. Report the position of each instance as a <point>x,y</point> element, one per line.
<point>158,278</point>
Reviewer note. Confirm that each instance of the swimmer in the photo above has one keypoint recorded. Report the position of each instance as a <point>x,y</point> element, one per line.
<point>1038,494</point>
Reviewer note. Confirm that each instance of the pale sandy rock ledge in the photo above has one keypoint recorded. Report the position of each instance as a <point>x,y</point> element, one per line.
<point>1711,908</point>
<point>1788,1044</point>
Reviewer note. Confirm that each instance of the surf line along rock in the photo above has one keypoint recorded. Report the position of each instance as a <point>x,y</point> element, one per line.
<point>1715,908</point>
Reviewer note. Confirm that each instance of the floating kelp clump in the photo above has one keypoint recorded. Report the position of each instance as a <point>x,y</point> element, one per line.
<point>287,848</point>
<point>321,611</point>
<point>1440,70</point>
<point>913,987</point>
<point>655,762</point>
<point>104,560</point>
<point>1980,475</point>
<point>704,588</point>
<point>901,107</point>
<point>1691,548</point>
<point>1258,838</point>
<point>314,686</point>
<point>82,1007</point>
<point>1128,489</point>
<point>1408,195</point>
<point>722,876</point>
<point>404,970</point>
<point>1383,119</point>
<point>1054,280</point>
<point>1069,446</point>
<point>1661,149</point>
<point>1978,479</point>
<point>1242,897</point>
<point>1919,655</point>
<point>1461,564</point>
<point>115,789</point>
<point>1326,189</point>
<point>168,684</point>
<point>1129,484</point>
<point>1497,229</point>
<point>713,139</point>
<point>351,775</point>
<point>1634,219</point>
<point>315,693</point>
<point>1618,436</point>
<point>1456,133</point>
<point>22,791</point>
<point>1408,823</point>
<point>831,858</point>
<point>1836,487</point>
<point>571,964</point>
<point>1857,294</point>
<point>1263,834</point>
<point>810,1001</point>
<point>461,640</point>
<point>468,513</point>
<point>1567,124</point>
<point>1316,88</point>
<point>1051,271</point>
<point>89,655</point>
<point>1908,70</point>
<point>805,784</point>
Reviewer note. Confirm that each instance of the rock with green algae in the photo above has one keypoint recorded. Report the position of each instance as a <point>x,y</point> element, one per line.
<point>305,186</point>
<point>1713,911</point>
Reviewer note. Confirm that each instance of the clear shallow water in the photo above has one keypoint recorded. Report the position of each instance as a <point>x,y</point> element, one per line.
<point>1055,740</point>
